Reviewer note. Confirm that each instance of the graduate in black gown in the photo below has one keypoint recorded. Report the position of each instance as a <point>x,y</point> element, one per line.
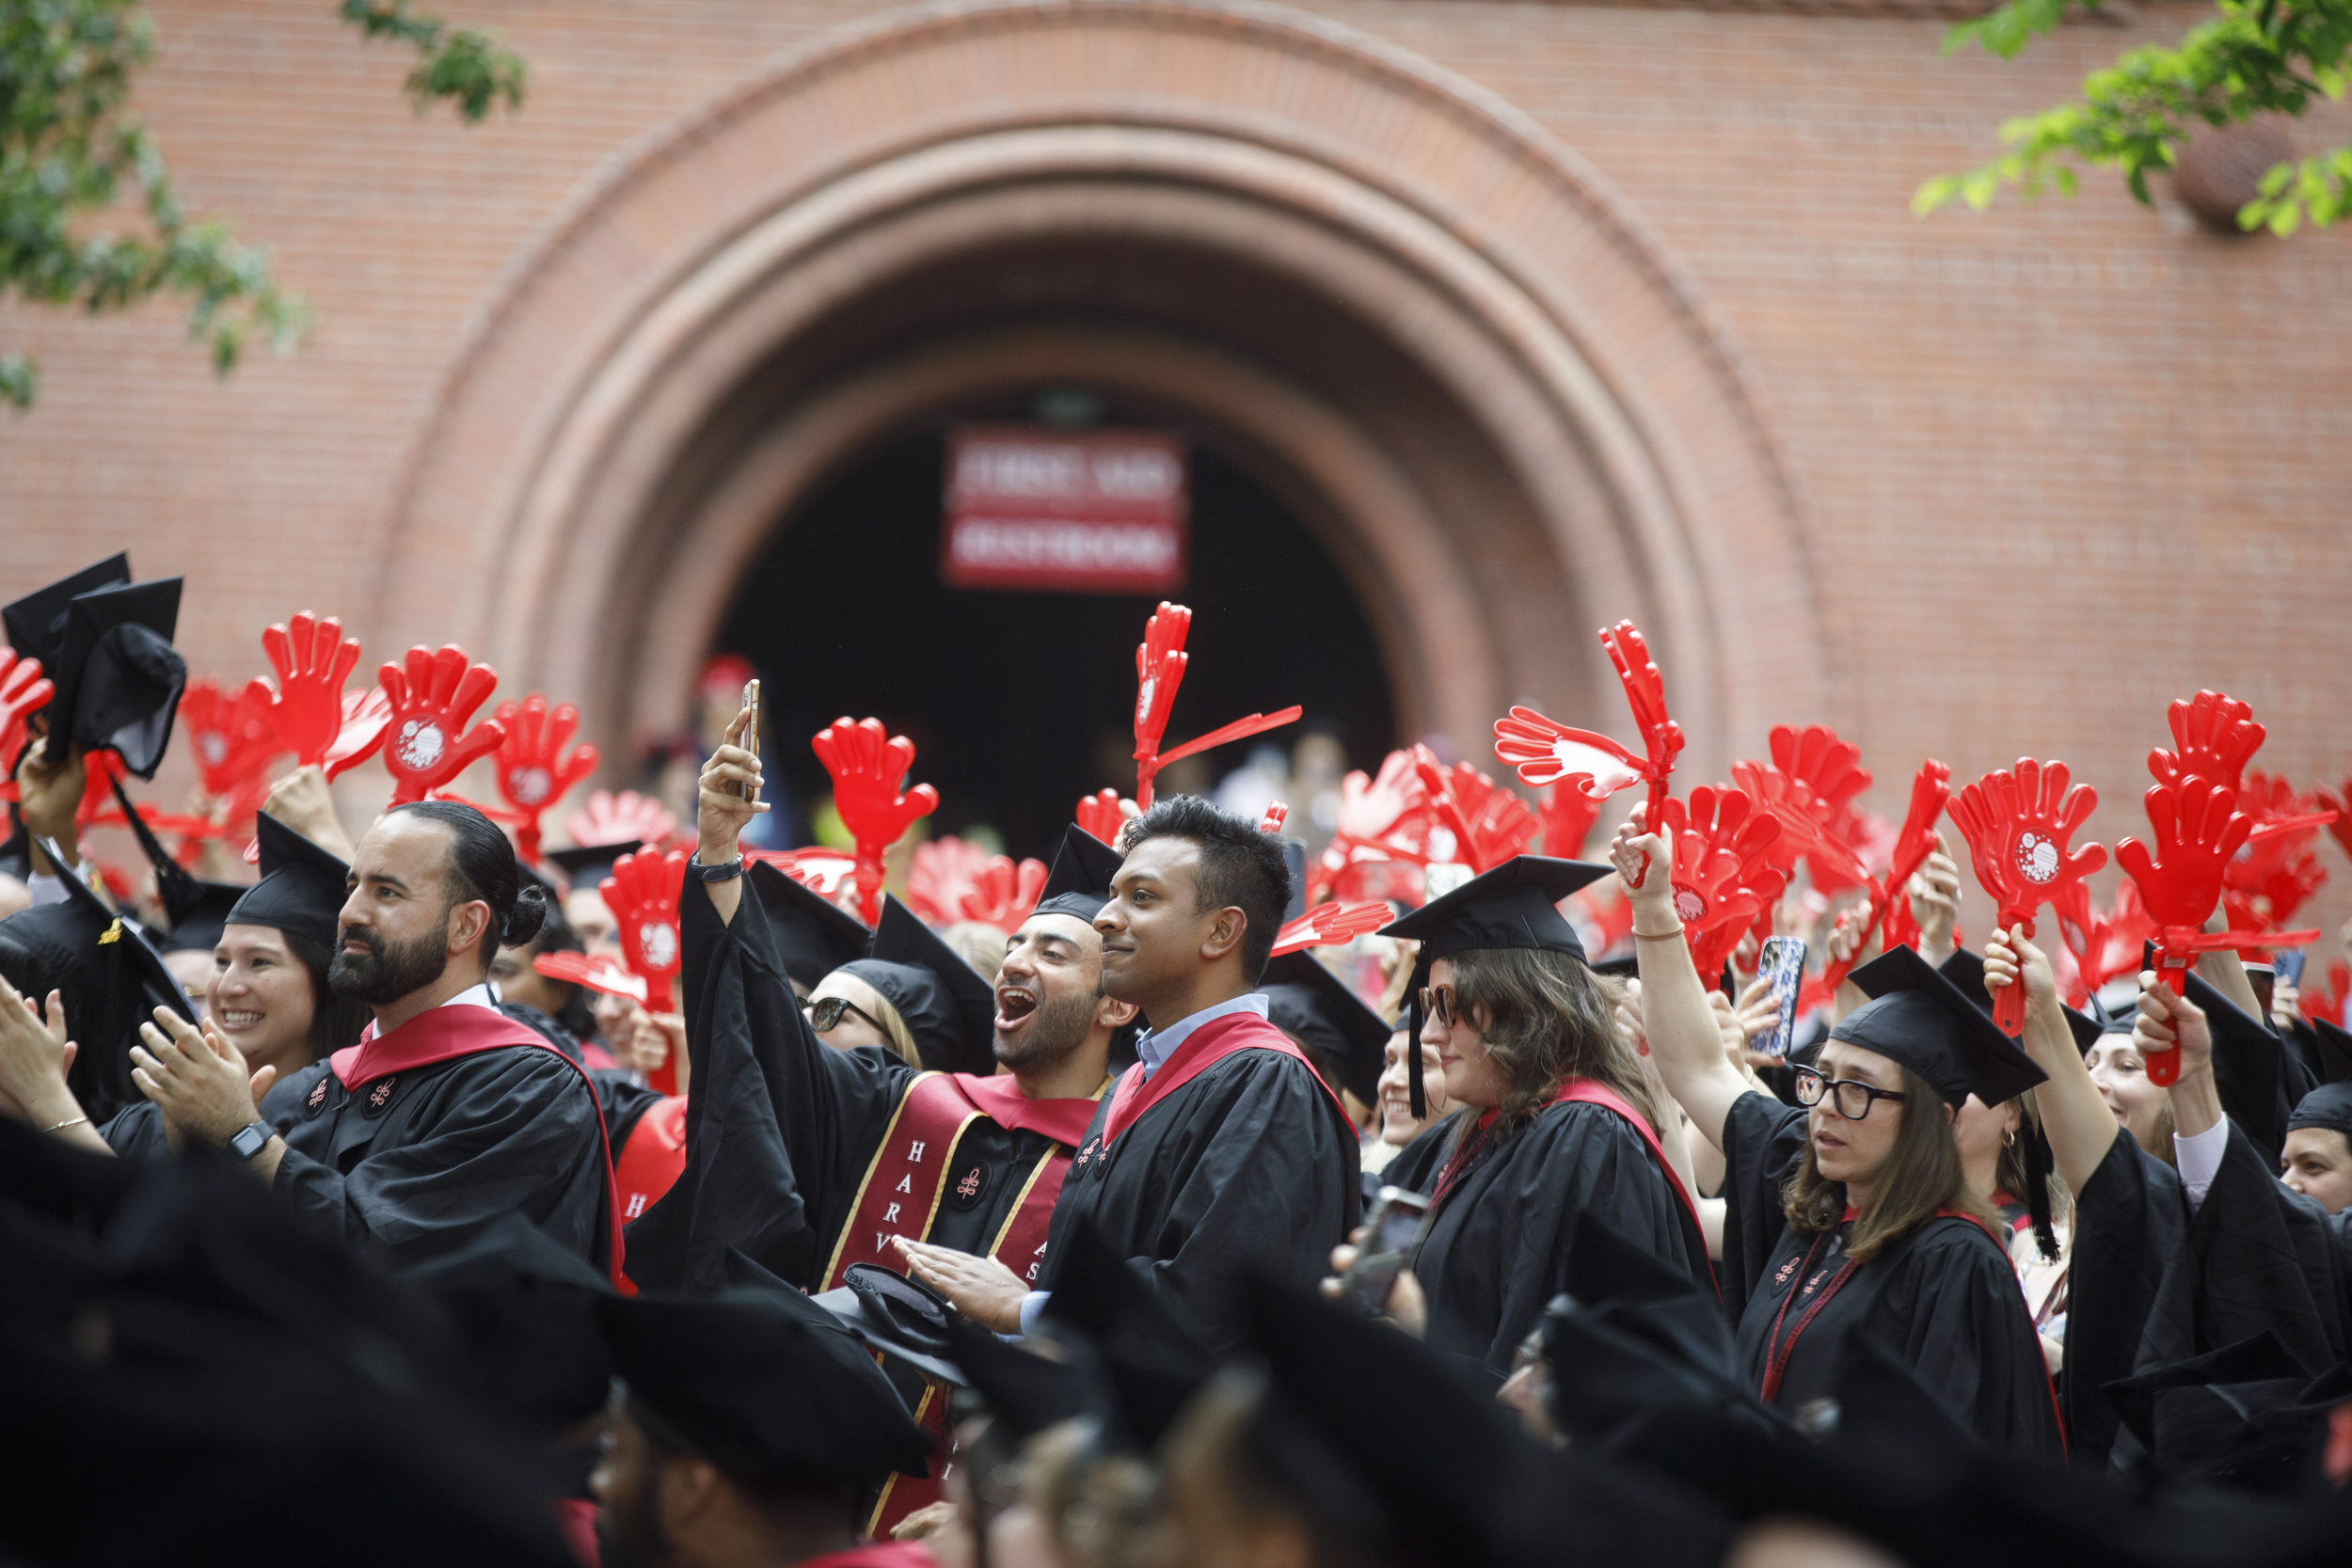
<point>1854,1216</point>
<point>1557,1120</point>
<point>448,1114</point>
<point>1220,1153</point>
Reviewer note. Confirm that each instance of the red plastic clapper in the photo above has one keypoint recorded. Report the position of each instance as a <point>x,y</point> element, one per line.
<point>1831,768</point>
<point>312,659</point>
<point>1160,662</point>
<point>2195,827</point>
<point>1004,892</point>
<point>1930,788</point>
<point>643,893</point>
<point>1544,751</point>
<point>625,818</point>
<point>24,692</point>
<point>533,772</point>
<point>1098,814</point>
<point>868,765</point>
<point>2017,822</point>
<point>1383,818</point>
<point>232,737</point>
<point>433,694</point>
<point>602,974</point>
<point>2216,733</point>
<point>1723,872</point>
<point>1331,925</point>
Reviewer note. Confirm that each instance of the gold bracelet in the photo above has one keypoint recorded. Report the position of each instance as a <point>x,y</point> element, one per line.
<point>1658,935</point>
<point>70,1121</point>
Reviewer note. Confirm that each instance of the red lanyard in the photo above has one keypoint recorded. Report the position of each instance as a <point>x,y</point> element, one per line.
<point>1778,1366</point>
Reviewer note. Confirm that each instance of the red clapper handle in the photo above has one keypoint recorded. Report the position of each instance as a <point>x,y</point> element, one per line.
<point>312,659</point>
<point>427,743</point>
<point>24,692</point>
<point>1930,788</point>
<point>532,771</point>
<point>2017,823</point>
<point>643,893</point>
<point>868,764</point>
<point>1160,664</point>
<point>2216,733</point>
<point>2195,827</point>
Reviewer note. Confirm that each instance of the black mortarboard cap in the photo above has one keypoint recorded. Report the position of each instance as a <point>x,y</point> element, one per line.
<point>194,910</point>
<point>1921,1019</point>
<point>117,949</point>
<point>1965,970</point>
<point>948,1006</point>
<point>894,1314</point>
<point>524,1307</point>
<point>302,887</point>
<point>117,677</point>
<point>2335,1050</point>
<point>36,623</point>
<point>814,935</point>
<point>1080,882</point>
<point>761,1386</point>
<point>2329,1106</point>
<point>1027,1392</point>
<point>1626,968</point>
<point>586,864</point>
<point>1314,1007</point>
<point>1514,904</point>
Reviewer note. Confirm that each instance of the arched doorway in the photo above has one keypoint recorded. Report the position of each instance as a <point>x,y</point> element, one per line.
<point>1439,343</point>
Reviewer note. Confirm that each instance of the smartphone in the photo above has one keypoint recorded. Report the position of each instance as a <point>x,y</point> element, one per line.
<point>1391,1239</point>
<point>1782,959</point>
<point>2289,963</point>
<point>750,734</point>
<point>2259,976</point>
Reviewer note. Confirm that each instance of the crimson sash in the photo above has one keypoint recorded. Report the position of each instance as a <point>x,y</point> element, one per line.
<point>457,1029</point>
<point>1204,1049</point>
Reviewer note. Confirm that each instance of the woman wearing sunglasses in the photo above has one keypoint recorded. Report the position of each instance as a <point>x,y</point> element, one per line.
<point>1556,1117</point>
<point>1850,1215</point>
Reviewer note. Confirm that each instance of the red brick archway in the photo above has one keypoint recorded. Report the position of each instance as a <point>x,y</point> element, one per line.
<point>1421,320</point>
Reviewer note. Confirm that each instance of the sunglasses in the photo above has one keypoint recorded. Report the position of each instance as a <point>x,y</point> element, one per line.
<point>826,1013</point>
<point>1439,1002</point>
<point>1852,1099</point>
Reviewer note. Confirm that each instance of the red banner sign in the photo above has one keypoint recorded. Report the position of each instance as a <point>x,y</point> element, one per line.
<point>1098,512</point>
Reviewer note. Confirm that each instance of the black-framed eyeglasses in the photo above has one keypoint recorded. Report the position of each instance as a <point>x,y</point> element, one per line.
<point>1853,1099</point>
<point>1438,1002</point>
<point>826,1012</point>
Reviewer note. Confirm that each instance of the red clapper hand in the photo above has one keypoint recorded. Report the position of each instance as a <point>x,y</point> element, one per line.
<point>1566,820</point>
<point>821,870</point>
<point>1498,822</point>
<point>643,893</point>
<point>1930,788</point>
<point>868,764</point>
<point>2216,733</point>
<point>312,659</point>
<point>1160,661</point>
<point>1098,814</point>
<point>1544,751</point>
<point>1331,925</point>
<point>1277,812</point>
<point>433,694</point>
<point>601,974</point>
<point>1723,873</point>
<point>628,817</point>
<point>1803,816</point>
<point>533,773</point>
<point>232,737</point>
<point>945,869</point>
<point>1004,892</point>
<point>24,692</point>
<point>1832,769</point>
<point>2017,822</point>
<point>1378,816</point>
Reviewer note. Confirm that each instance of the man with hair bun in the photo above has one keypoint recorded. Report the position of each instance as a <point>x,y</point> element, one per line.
<point>448,1114</point>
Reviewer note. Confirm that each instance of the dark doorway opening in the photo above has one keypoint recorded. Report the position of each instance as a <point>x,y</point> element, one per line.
<point>1019,704</point>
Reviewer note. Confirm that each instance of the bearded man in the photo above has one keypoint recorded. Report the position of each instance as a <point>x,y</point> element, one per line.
<point>810,1158</point>
<point>448,1114</point>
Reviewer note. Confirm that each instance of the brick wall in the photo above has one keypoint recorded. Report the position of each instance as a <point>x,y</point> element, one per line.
<point>2060,462</point>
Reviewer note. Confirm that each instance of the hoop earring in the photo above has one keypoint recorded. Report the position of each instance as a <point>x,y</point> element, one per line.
<point>2008,1139</point>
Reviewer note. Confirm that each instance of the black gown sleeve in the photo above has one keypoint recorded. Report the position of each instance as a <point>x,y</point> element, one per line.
<point>779,1127</point>
<point>519,1135</point>
<point>2254,1075</point>
<point>2258,1255</point>
<point>1968,1337</point>
<point>2128,1220</point>
<point>137,1133</point>
<point>1762,1137</point>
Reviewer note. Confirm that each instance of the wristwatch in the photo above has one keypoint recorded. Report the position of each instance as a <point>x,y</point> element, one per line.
<point>251,1139</point>
<point>727,873</point>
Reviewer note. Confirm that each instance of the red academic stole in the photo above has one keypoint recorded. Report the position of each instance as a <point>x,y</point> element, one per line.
<point>908,1179</point>
<point>457,1029</point>
<point>652,1158</point>
<point>1204,1049</point>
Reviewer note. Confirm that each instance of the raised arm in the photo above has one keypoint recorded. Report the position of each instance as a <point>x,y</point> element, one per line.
<point>2075,1117</point>
<point>1685,1039</point>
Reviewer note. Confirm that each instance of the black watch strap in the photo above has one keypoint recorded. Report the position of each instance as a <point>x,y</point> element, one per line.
<point>727,873</point>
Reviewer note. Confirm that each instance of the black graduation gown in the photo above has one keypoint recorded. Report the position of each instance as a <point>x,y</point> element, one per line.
<point>1247,1169</point>
<point>456,1144</point>
<point>2258,1255</point>
<point>1943,1300</point>
<point>1498,1247</point>
<point>1414,1167</point>
<point>2127,1221</point>
<point>781,1128</point>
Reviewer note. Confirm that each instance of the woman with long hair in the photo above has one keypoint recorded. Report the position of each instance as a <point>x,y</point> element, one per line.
<point>1852,1216</point>
<point>1556,1118</point>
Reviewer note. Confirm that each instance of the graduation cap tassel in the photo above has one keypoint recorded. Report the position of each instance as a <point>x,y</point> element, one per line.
<point>1420,1096</point>
<point>178,892</point>
<point>2038,1160</point>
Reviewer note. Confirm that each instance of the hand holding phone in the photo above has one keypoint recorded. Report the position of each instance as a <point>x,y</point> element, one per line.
<point>1393,1238</point>
<point>1782,961</point>
<point>751,735</point>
